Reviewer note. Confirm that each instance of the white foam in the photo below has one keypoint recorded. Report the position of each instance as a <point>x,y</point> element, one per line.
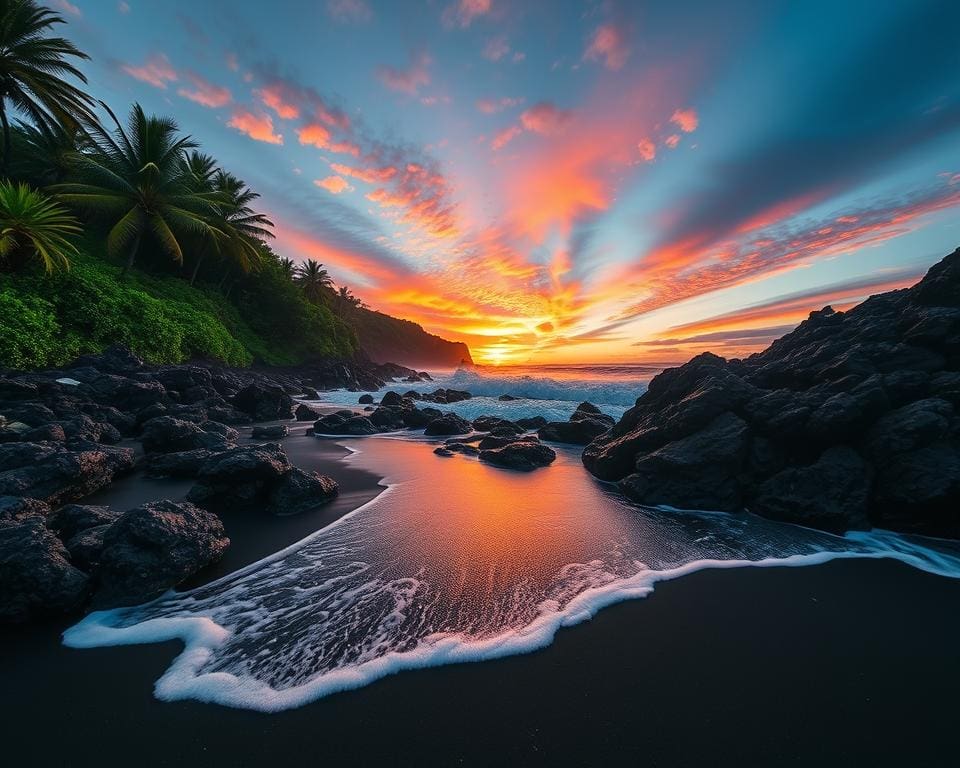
<point>69,382</point>
<point>494,566</point>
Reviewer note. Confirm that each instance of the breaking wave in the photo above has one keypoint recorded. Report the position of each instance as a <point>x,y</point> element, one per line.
<point>494,564</point>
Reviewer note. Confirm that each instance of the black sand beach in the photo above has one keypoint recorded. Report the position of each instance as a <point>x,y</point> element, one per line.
<point>850,663</point>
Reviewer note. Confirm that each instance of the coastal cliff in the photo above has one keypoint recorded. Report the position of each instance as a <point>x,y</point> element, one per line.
<point>387,339</point>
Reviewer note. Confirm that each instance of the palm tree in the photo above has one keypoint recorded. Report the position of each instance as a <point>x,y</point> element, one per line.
<point>314,280</point>
<point>32,70</point>
<point>42,156</point>
<point>348,299</point>
<point>288,267</point>
<point>138,179</point>
<point>32,224</point>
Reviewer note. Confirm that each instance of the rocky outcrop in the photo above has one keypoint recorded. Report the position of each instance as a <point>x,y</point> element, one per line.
<point>585,423</point>
<point>270,432</point>
<point>259,477</point>
<point>152,548</point>
<point>448,424</point>
<point>525,455</point>
<point>36,576</point>
<point>850,421</point>
<point>55,475</point>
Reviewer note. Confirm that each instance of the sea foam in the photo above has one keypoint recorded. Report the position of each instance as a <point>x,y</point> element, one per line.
<point>493,565</point>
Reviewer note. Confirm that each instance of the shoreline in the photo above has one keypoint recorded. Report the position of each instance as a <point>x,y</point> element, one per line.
<point>858,655</point>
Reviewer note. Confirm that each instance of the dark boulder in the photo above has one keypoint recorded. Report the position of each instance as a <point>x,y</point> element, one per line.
<point>238,477</point>
<point>389,399</point>
<point>86,546</point>
<point>523,455</point>
<point>15,509</point>
<point>49,433</point>
<point>305,413</point>
<point>264,402</point>
<point>831,494</point>
<point>49,473</point>
<point>72,519</point>
<point>699,471</point>
<point>451,447</point>
<point>533,422</point>
<point>448,424</point>
<point>178,464</point>
<point>299,491</point>
<point>36,577</point>
<point>166,434</point>
<point>152,548</point>
<point>271,432</point>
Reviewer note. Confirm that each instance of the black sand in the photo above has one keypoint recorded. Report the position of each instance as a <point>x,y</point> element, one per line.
<point>852,663</point>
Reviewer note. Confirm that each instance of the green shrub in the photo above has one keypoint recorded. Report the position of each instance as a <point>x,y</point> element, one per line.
<point>30,336</point>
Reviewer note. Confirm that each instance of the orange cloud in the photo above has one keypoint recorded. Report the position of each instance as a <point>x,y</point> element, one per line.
<point>672,140</point>
<point>156,70</point>
<point>315,135</point>
<point>205,93</point>
<point>647,150</point>
<point>333,184</point>
<point>369,175</point>
<point>277,98</point>
<point>609,44</point>
<point>258,126</point>
<point>685,119</point>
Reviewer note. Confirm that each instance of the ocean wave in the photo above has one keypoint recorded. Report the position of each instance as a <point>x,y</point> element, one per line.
<point>493,566</point>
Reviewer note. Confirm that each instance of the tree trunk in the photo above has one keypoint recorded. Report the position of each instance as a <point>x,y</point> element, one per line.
<point>131,257</point>
<point>196,267</point>
<point>6,138</point>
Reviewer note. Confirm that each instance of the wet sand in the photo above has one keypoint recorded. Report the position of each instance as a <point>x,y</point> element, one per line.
<point>851,663</point>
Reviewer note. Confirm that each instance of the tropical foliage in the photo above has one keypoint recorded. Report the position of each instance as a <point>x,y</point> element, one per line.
<point>31,224</point>
<point>33,68</point>
<point>130,233</point>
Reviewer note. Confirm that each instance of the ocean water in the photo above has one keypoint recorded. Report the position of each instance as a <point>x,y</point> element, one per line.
<point>456,561</point>
<point>550,391</point>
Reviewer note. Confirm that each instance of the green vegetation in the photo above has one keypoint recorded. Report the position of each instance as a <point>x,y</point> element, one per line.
<point>131,234</point>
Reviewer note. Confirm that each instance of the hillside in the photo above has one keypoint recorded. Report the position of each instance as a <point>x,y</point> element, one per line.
<point>388,339</point>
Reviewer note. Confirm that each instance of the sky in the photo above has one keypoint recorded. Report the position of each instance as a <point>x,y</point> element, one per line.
<point>583,181</point>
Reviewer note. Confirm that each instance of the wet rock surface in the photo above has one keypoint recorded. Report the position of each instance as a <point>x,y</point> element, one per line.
<point>849,421</point>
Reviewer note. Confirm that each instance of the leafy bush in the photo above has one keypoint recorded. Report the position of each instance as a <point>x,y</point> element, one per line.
<point>30,336</point>
<point>47,320</point>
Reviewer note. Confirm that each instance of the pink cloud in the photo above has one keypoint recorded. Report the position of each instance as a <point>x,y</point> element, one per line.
<point>256,125</point>
<point>349,11</point>
<point>492,106</point>
<point>672,140</point>
<point>506,136</point>
<point>277,98</point>
<point>233,63</point>
<point>685,119</point>
<point>496,48</point>
<point>647,149</point>
<point>408,80</point>
<point>369,175</point>
<point>463,12</point>
<point>544,118</point>
<point>156,70</point>
<point>334,184</point>
<point>609,44</point>
<point>205,93</point>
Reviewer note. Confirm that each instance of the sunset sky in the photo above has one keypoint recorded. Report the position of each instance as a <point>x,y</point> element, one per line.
<point>570,181</point>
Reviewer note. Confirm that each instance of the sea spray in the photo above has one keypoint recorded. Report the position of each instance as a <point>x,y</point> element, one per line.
<point>456,562</point>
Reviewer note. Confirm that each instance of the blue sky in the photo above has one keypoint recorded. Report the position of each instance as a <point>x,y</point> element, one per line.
<point>553,181</point>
